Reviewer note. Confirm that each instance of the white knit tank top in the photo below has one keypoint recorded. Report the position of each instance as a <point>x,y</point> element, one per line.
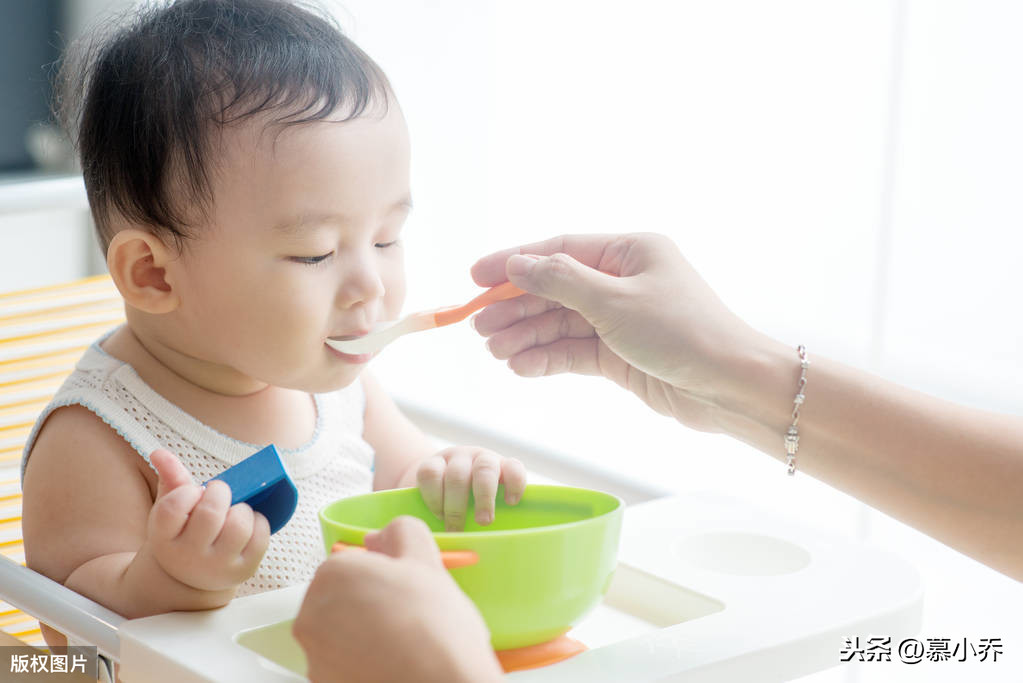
<point>335,463</point>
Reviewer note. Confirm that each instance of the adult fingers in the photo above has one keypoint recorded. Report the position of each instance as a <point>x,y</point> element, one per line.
<point>539,330</point>
<point>580,356</point>
<point>563,279</point>
<point>406,537</point>
<point>497,316</point>
<point>589,249</point>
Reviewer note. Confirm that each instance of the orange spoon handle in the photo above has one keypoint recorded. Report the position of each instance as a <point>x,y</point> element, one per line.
<point>452,559</point>
<point>499,293</point>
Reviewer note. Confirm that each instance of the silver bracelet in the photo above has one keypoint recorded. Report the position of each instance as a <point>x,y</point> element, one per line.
<point>792,437</point>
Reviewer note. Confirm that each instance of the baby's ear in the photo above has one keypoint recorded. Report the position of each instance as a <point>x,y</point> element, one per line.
<point>137,261</point>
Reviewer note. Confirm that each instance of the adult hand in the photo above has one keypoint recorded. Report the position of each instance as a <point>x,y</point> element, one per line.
<point>628,307</point>
<point>392,615</point>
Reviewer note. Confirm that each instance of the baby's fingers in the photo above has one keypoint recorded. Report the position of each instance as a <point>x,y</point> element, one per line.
<point>208,515</point>
<point>237,530</point>
<point>486,473</point>
<point>254,550</point>
<point>456,491</point>
<point>430,480</point>
<point>171,471</point>
<point>171,511</point>
<point>513,476</point>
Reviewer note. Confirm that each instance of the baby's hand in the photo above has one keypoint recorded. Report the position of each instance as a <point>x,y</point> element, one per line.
<point>444,479</point>
<point>197,536</point>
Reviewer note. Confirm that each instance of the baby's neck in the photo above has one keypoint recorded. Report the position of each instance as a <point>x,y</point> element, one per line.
<point>266,414</point>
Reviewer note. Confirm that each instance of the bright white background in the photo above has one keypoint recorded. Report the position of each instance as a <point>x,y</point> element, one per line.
<point>846,174</point>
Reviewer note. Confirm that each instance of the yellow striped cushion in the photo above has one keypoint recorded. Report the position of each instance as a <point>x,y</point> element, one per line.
<point>43,332</point>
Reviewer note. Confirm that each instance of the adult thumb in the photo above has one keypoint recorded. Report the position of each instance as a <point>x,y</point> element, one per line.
<point>171,470</point>
<point>406,537</point>
<point>560,278</point>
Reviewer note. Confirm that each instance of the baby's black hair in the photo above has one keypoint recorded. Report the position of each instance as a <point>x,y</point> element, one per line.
<point>143,104</point>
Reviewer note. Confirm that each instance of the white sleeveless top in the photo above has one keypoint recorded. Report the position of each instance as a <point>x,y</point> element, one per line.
<point>335,463</point>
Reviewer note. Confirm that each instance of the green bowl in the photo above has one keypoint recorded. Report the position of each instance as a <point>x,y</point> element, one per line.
<point>542,563</point>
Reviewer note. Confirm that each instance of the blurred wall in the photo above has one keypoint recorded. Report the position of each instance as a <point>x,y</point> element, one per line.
<point>56,244</point>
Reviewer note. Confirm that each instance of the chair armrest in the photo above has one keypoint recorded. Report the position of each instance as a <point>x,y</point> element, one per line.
<point>76,616</point>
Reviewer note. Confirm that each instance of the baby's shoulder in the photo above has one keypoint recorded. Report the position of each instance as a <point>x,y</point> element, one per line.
<point>83,494</point>
<point>75,444</point>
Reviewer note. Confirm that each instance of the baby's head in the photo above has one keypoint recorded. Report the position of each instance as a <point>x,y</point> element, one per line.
<point>247,168</point>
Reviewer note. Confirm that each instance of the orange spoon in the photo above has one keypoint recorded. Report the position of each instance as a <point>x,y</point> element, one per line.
<point>386,332</point>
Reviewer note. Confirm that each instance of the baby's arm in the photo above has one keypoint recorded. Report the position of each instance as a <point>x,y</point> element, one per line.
<point>90,522</point>
<point>400,446</point>
<point>406,457</point>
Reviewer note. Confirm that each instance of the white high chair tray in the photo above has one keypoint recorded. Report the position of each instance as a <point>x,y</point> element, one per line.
<point>708,590</point>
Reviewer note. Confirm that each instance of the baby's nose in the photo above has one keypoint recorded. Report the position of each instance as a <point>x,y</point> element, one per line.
<point>362,283</point>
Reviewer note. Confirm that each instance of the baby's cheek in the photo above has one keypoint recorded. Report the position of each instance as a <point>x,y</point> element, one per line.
<point>394,299</point>
<point>303,315</point>
<point>392,275</point>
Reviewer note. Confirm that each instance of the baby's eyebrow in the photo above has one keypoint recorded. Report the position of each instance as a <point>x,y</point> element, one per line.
<point>307,222</point>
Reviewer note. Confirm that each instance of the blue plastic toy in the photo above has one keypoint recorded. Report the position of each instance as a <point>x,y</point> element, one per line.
<point>260,481</point>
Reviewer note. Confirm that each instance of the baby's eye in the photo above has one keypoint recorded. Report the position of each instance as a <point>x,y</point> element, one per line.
<point>384,245</point>
<point>311,260</point>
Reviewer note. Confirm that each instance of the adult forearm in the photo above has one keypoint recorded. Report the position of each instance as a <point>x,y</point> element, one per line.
<point>953,472</point>
<point>134,585</point>
<point>631,308</point>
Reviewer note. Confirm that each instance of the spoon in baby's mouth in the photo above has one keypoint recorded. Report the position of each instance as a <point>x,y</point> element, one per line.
<point>384,333</point>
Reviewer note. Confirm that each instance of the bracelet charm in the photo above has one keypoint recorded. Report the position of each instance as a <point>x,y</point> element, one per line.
<point>792,436</point>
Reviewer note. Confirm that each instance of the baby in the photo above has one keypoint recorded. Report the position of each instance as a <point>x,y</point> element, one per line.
<point>247,168</point>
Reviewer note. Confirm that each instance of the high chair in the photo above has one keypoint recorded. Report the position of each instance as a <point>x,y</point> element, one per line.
<point>43,332</point>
